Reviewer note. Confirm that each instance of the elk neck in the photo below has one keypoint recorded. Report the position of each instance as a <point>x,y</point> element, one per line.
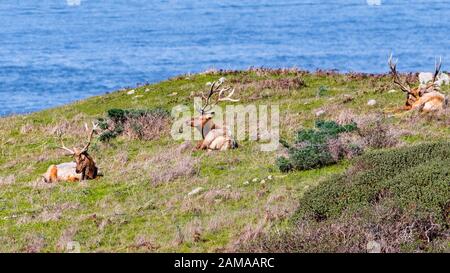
<point>206,126</point>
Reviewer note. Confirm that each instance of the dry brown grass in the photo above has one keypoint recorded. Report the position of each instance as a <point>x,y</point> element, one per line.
<point>262,89</point>
<point>441,117</point>
<point>259,71</point>
<point>55,212</point>
<point>280,206</point>
<point>8,180</point>
<point>35,243</point>
<point>66,237</point>
<point>166,165</point>
<point>147,127</point>
<point>374,131</point>
<point>392,229</point>
<point>218,222</point>
<point>74,128</point>
<point>249,234</point>
<point>193,231</point>
<point>377,133</point>
<point>142,243</point>
<point>220,195</point>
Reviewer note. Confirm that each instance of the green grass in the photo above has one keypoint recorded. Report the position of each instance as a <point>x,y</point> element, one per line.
<point>123,211</point>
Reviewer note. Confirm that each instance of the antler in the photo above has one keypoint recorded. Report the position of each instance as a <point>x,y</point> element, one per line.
<point>437,69</point>
<point>393,67</point>
<point>62,144</point>
<point>94,128</point>
<point>220,91</point>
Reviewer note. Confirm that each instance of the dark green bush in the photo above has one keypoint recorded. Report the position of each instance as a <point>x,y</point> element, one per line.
<point>399,198</point>
<point>322,91</point>
<point>312,147</point>
<point>311,156</point>
<point>324,131</point>
<point>283,164</point>
<point>417,176</point>
<point>116,115</point>
<point>121,115</point>
<point>136,123</point>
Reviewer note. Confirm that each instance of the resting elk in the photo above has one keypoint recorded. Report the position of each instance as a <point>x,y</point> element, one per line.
<point>425,98</point>
<point>83,168</point>
<point>214,136</point>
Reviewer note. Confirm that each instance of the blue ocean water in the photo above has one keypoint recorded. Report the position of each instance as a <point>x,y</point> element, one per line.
<point>56,51</point>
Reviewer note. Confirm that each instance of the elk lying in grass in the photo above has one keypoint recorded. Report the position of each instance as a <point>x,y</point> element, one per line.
<point>214,136</point>
<point>83,168</point>
<point>425,98</point>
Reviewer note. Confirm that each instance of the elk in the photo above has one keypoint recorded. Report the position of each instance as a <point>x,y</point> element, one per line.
<point>425,98</point>
<point>214,136</point>
<point>83,168</point>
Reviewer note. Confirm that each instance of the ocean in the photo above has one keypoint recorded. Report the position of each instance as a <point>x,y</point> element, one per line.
<point>54,52</point>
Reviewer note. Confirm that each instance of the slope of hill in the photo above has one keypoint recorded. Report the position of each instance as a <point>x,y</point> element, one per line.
<point>142,204</point>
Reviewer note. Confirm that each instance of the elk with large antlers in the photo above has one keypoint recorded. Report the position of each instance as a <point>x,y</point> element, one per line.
<point>83,168</point>
<point>214,136</point>
<point>425,98</point>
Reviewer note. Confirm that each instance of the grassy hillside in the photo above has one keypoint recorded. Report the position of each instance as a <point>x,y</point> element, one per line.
<point>126,210</point>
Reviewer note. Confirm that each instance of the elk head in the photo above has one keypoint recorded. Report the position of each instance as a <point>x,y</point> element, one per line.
<point>204,121</point>
<point>414,94</point>
<point>85,164</point>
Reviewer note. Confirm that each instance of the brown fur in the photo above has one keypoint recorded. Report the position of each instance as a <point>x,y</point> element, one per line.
<point>424,98</point>
<point>53,174</point>
<point>215,137</point>
<point>86,166</point>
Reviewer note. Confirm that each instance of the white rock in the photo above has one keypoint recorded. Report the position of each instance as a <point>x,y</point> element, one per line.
<point>228,186</point>
<point>221,80</point>
<point>443,79</point>
<point>320,113</point>
<point>255,179</point>
<point>392,91</point>
<point>373,247</point>
<point>246,183</point>
<point>138,96</point>
<point>195,191</point>
<point>208,84</point>
<point>263,181</point>
<point>270,177</point>
<point>425,77</point>
<point>372,102</point>
<point>147,90</point>
<point>131,92</point>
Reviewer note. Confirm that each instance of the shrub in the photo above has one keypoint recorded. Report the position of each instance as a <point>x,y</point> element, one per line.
<point>377,134</point>
<point>399,198</point>
<point>313,148</point>
<point>283,164</point>
<point>142,124</point>
<point>311,156</point>
<point>325,130</point>
<point>321,91</point>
